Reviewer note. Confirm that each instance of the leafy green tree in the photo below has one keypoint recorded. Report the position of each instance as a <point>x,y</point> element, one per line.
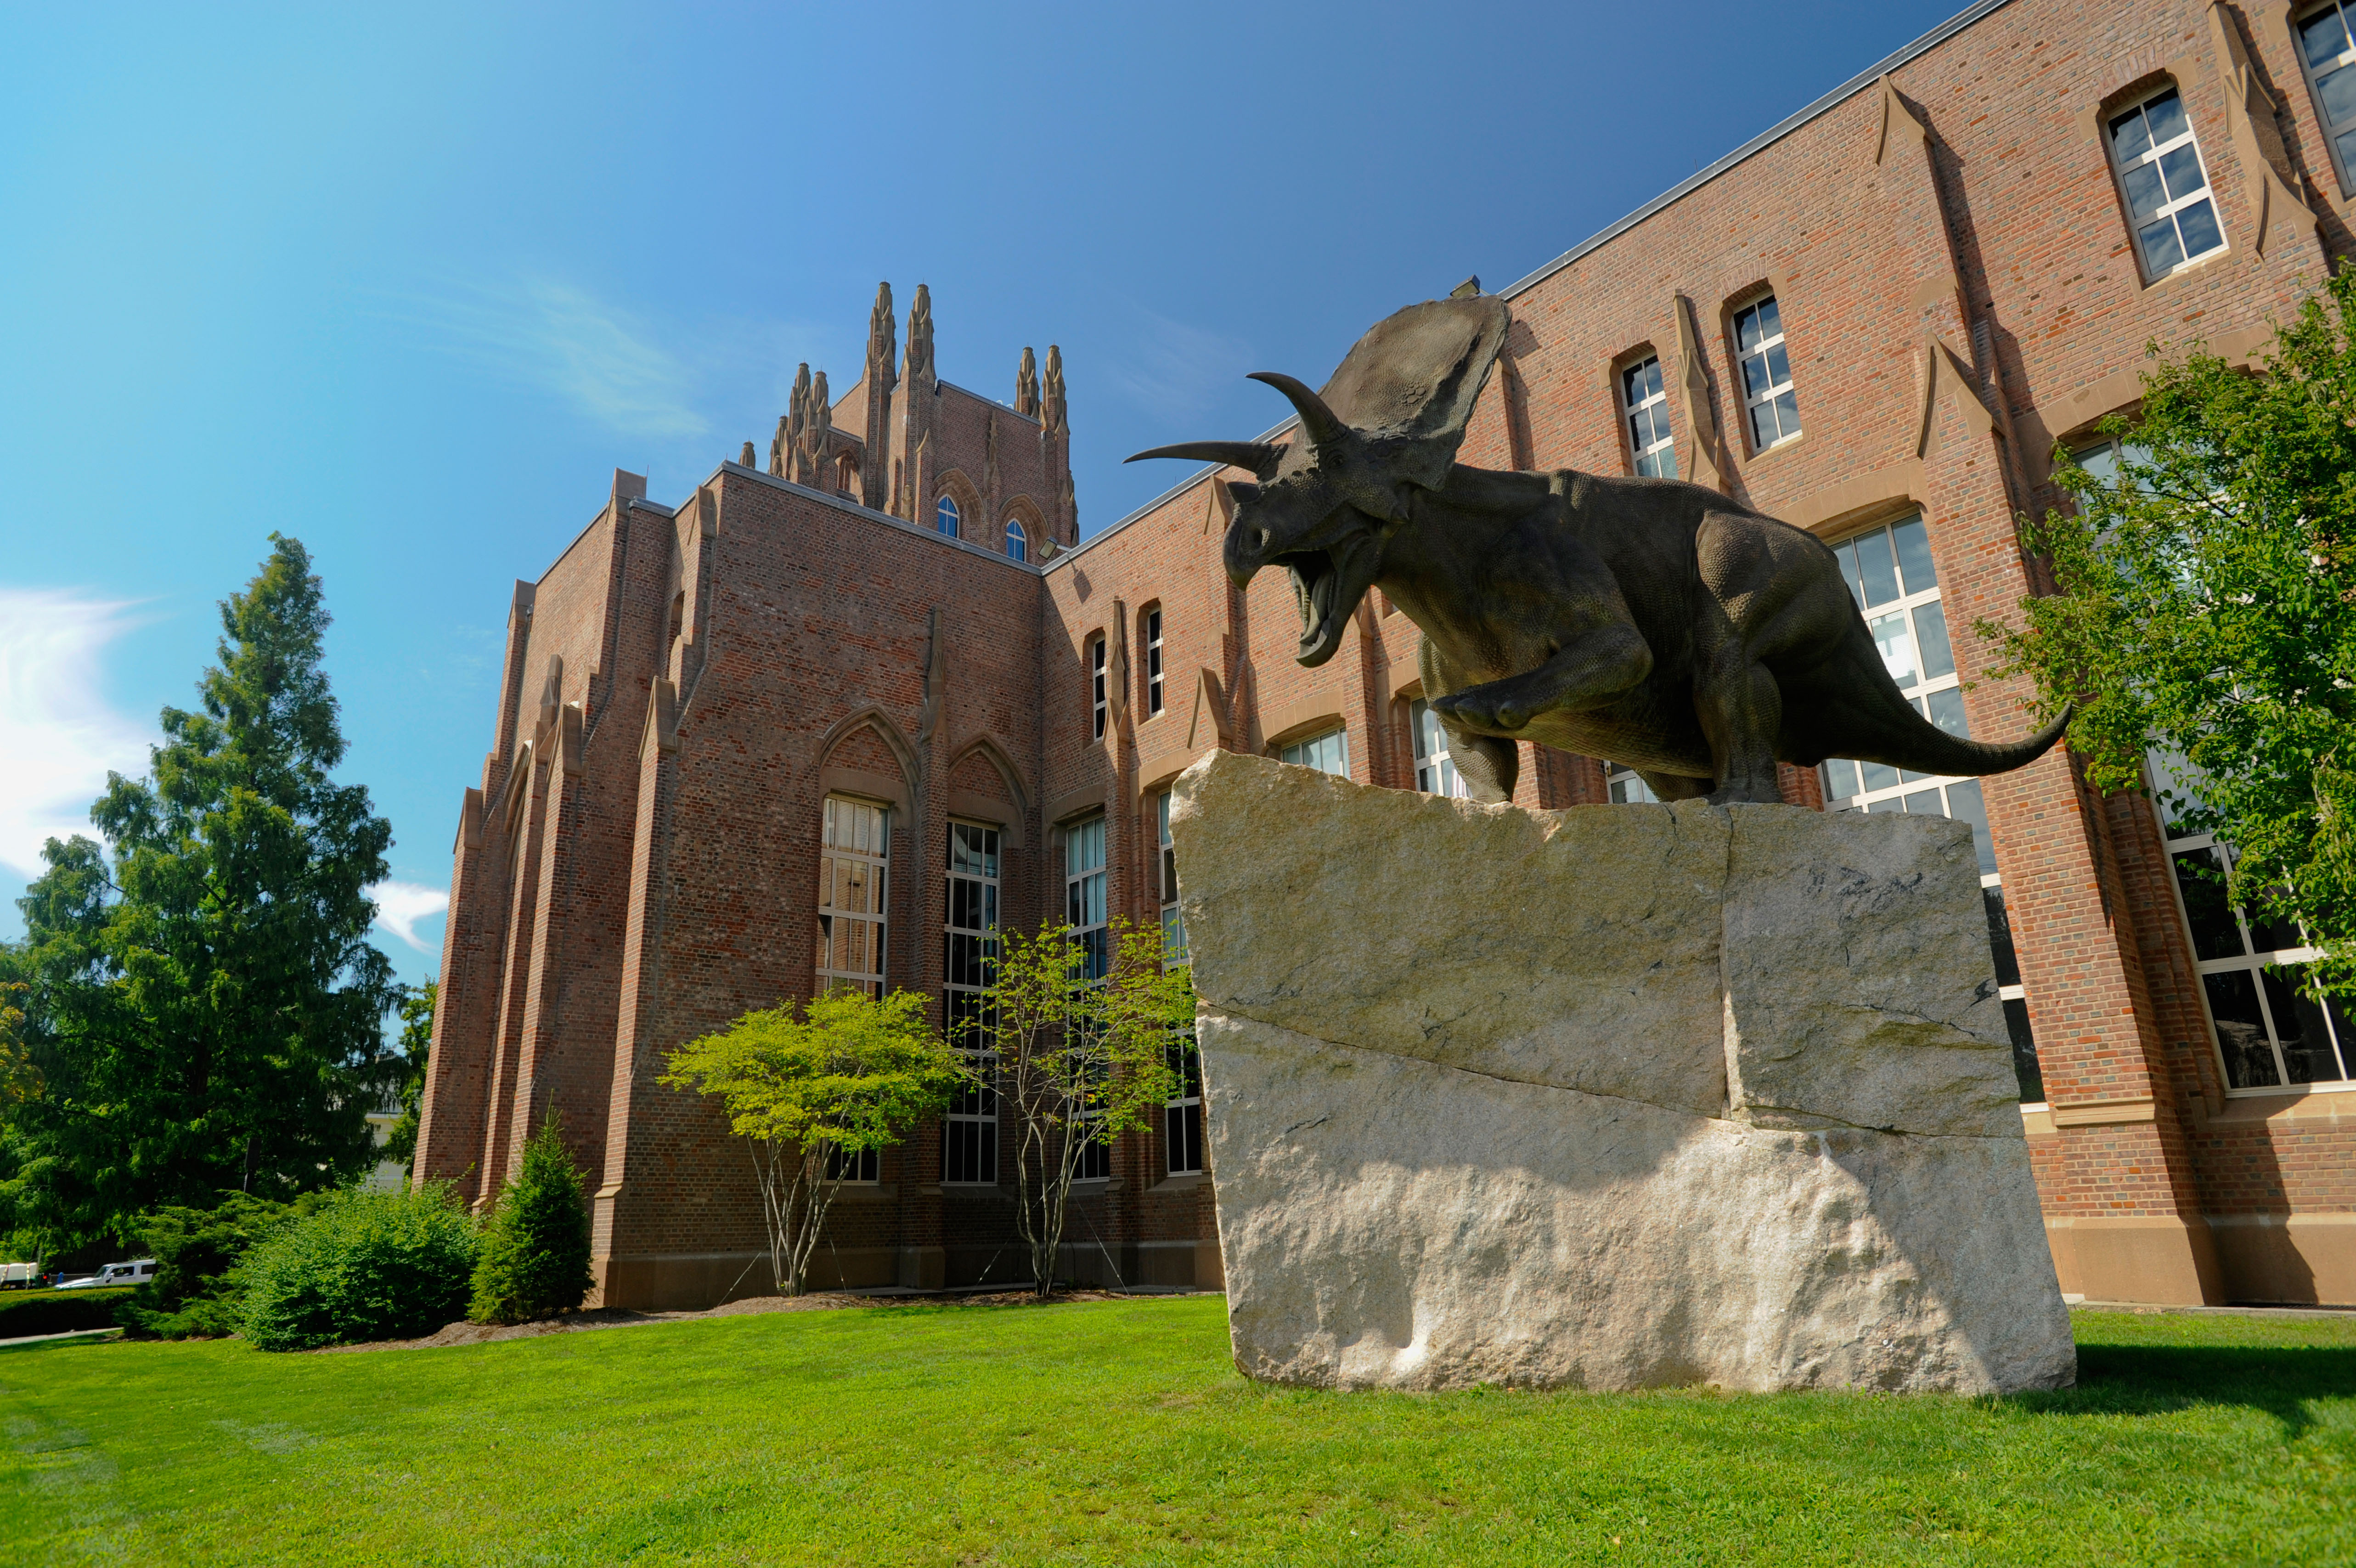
<point>205,1005</point>
<point>416,1046</point>
<point>1079,1038</point>
<point>360,1266</point>
<point>814,1094</point>
<point>2207,609</point>
<point>534,1260</point>
<point>196,1287</point>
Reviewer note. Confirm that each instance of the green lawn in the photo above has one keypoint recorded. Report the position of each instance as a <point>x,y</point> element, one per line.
<point>1117,1432</point>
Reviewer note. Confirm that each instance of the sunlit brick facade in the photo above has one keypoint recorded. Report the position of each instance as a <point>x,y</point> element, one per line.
<point>1966,251</point>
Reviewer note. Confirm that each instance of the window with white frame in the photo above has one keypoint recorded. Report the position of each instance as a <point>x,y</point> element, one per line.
<point>1096,684</point>
<point>1328,753</point>
<point>2269,1034</point>
<point>2327,49</point>
<point>1018,543</point>
<point>1645,406</point>
<point>852,872</point>
<point>1154,661</point>
<point>1084,918</point>
<point>1626,788</point>
<point>1767,395</point>
<point>970,1132</point>
<point>1182,1117</point>
<point>2165,186</point>
<point>1174,925</point>
<point>1435,768</point>
<point>2102,459</point>
<point>945,516</point>
<point>1891,577</point>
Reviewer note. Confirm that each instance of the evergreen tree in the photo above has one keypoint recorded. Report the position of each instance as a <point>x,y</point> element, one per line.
<point>534,1260</point>
<point>205,1008</point>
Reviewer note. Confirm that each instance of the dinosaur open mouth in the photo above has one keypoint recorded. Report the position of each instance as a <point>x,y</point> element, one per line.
<point>1328,588</point>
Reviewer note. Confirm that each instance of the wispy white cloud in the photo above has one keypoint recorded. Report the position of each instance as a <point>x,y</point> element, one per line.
<point>1169,368</point>
<point>400,906</point>
<point>59,736</point>
<point>558,337</point>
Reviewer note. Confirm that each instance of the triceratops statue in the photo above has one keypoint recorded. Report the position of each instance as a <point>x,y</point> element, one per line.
<point>1651,621</point>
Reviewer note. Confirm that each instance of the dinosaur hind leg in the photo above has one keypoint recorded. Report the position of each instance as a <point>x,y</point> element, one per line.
<point>1740,708</point>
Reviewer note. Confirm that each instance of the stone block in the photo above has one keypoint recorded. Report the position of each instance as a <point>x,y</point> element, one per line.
<point>1612,1097</point>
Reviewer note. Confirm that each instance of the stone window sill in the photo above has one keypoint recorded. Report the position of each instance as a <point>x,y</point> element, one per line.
<point>1181,1182</point>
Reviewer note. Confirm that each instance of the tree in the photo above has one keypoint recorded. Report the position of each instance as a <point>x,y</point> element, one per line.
<point>534,1260</point>
<point>204,1006</point>
<point>416,1046</point>
<point>1079,1029</point>
<point>814,1095</point>
<point>2207,609</point>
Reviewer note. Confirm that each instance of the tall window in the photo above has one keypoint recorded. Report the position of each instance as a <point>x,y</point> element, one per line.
<point>1767,395</point>
<point>1435,769</point>
<point>1173,926</point>
<point>970,1136</point>
<point>1084,916</point>
<point>1097,683</point>
<point>1153,661</point>
<point>2158,161</point>
<point>1891,577</point>
<point>1018,543</point>
<point>2268,1035</point>
<point>945,516</point>
<point>1183,1113</point>
<point>2327,49</point>
<point>1327,753</point>
<point>851,881</point>
<point>1646,405</point>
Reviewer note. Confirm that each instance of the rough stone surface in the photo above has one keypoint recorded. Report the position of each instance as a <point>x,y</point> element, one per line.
<point>1611,1097</point>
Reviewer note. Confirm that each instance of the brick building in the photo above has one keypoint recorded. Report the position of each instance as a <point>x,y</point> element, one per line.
<point>890,654</point>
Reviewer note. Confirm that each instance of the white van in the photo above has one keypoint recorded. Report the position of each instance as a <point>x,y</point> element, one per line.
<point>137,1271</point>
<point>18,1276</point>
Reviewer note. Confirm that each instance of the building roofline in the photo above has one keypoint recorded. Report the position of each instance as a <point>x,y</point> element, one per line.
<point>985,397</point>
<point>855,510</point>
<point>1760,143</point>
<point>1684,188</point>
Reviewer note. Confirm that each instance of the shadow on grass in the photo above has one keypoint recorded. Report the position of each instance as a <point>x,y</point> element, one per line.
<point>2159,1380</point>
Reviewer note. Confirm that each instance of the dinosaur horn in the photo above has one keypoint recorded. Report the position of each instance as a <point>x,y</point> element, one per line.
<point>1322,423</point>
<point>1260,456</point>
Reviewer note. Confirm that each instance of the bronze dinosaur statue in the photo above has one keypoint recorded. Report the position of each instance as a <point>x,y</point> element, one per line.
<point>1651,621</point>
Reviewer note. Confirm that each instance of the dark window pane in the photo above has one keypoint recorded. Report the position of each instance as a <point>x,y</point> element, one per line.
<point>2160,248</point>
<point>2271,934</point>
<point>2215,933</point>
<point>1947,711</point>
<point>1930,641</point>
<point>1878,566</point>
<point>1914,555</point>
<point>1771,320</point>
<point>2180,167</point>
<point>2241,1029</point>
<point>1840,779</point>
<point>2024,1053</point>
<point>1848,553</point>
<point>2323,37</point>
<point>2007,961</point>
<point>2129,135</point>
<point>2299,1024</point>
<point>2338,91</point>
<point>1966,805</point>
<point>1925,804</point>
<point>2202,234</point>
<point>2166,113</point>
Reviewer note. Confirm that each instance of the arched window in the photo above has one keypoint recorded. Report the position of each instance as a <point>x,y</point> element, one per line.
<point>1018,543</point>
<point>2166,187</point>
<point>945,516</point>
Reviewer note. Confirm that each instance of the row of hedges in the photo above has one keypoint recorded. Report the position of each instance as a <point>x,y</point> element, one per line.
<point>24,1313</point>
<point>354,1266</point>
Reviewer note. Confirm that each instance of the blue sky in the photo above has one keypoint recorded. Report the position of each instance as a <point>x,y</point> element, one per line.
<point>409,283</point>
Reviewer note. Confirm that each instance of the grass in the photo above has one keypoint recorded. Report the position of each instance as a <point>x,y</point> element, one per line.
<point>1117,1432</point>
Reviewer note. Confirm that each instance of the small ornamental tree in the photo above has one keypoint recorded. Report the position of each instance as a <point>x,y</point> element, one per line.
<point>2207,609</point>
<point>416,1046</point>
<point>813,1095</point>
<point>534,1259</point>
<point>1079,1038</point>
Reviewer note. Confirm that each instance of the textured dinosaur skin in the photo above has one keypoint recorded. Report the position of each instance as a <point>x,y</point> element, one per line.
<point>1651,621</point>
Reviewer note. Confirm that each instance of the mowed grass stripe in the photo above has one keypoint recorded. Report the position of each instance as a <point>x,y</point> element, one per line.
<point>1117,1432</point>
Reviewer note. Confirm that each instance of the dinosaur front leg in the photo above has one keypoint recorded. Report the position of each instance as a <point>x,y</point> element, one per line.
<point>1591,671</point>
<point>1740,708</point>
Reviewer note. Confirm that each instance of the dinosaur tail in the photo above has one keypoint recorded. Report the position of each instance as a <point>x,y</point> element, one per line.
<point>1924,748</point>
<point>1871,721</point>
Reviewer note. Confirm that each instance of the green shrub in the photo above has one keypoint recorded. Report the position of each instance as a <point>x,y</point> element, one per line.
<point>535,1256</point>
<point>25,1312</point>
<point>197,1288</point>
<point>366,1265</point>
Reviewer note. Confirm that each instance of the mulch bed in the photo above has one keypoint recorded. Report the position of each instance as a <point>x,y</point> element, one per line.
<point>622,1317</point>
